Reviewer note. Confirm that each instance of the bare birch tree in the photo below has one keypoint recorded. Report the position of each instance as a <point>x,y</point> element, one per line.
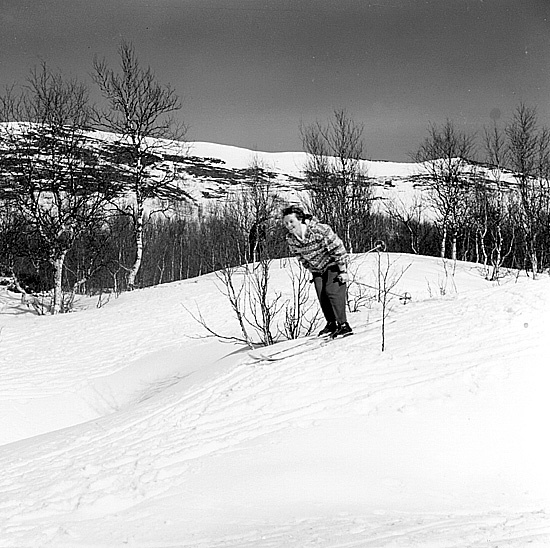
<point>140,113</point>
<point>258,208</point>
<point>444,157</point>
<point>49,170</point>
<point>529,158</point>
<point>251,210</point>
<point>498,203</point>
<point>341,193</point>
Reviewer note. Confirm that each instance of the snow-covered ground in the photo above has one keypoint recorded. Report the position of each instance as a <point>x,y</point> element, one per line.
<point>125,425</point>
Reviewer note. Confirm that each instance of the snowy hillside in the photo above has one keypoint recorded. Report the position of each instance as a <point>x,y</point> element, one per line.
<point>213,169</point>
<point>125,425</point>
<point>207,173</point>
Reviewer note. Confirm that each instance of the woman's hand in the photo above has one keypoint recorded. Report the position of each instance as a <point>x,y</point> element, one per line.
<point>343,277</point>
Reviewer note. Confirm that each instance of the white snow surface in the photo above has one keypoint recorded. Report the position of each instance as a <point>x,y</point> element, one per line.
<point>127,425</point>
<point>289,162</point>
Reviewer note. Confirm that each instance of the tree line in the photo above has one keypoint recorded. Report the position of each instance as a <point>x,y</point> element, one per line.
<point>501,220</point>
<point>84,214</point>
<point>488,196</point>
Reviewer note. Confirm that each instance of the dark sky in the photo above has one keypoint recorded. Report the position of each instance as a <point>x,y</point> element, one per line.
<point>250,71</point>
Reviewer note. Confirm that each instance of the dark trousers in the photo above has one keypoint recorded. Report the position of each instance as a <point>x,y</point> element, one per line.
<point>332,295</point>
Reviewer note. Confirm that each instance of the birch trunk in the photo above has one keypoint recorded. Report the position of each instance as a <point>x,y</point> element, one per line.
<point>139,246</point>
<point>534,258</point>
<point>58,263</point>
<point>443,243</point>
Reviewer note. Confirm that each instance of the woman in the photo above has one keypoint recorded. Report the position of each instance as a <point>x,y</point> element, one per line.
<point>322,252</point>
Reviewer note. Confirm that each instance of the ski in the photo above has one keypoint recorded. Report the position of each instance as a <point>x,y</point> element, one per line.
<point>267,355</point>
<point>294,350</point>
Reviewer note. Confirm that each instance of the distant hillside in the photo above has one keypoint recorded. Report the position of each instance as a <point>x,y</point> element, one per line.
<point>207,172</point>
<point>211,170</point>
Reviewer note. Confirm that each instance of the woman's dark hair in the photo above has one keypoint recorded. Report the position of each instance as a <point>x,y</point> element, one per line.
<point>301,215</point>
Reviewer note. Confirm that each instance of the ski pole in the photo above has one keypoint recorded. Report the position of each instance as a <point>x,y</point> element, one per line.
<point>379,245</point>
<point>403,297</point>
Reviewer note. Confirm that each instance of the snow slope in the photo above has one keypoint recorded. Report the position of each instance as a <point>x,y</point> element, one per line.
<point>392,181</point>
<point>399,184</point>
<point>123,425</point>
<point>292,163</point>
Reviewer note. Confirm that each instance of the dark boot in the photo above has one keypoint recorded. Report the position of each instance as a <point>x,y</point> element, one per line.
<point>343,330</point>
<point>329,329</point>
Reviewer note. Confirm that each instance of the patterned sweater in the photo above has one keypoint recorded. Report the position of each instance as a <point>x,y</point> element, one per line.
<point>320,248</point>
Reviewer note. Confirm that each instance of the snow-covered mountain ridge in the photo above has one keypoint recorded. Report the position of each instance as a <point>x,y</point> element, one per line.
<point>212,169</point>
<point>208,172</point>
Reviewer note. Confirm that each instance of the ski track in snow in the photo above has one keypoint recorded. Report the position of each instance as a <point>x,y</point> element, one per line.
<point>398,531</point>
<point>53,485</point>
